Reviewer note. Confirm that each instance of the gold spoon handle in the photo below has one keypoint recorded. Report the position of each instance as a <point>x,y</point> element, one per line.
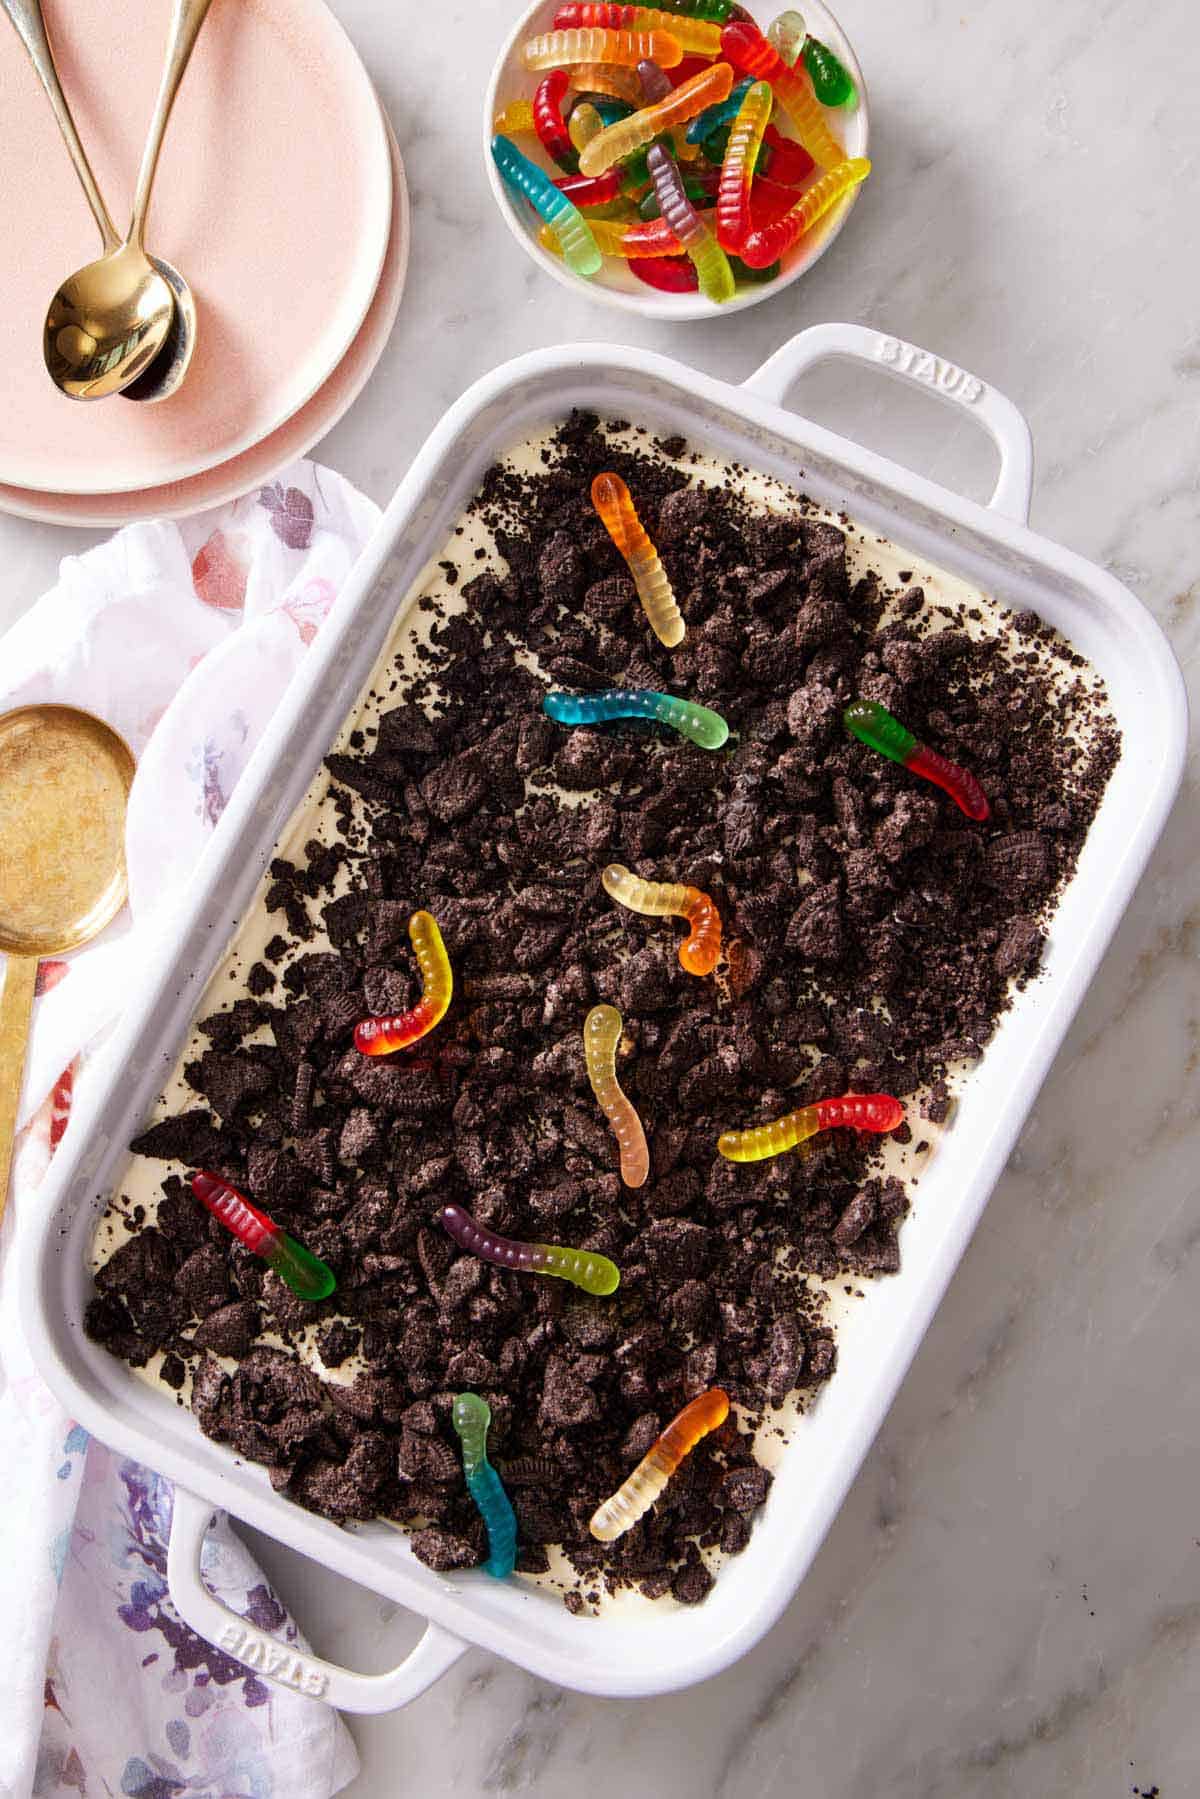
<point>30,26</point>
<point>16,1005</point>
<point>187,16</point>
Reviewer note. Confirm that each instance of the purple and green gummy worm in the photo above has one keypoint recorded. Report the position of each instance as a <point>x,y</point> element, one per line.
<point>697,723</point>
<point>582,1267</point>
<point>705,253</point>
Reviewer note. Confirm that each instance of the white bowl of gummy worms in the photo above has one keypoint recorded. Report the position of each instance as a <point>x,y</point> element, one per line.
<point>620,209</point>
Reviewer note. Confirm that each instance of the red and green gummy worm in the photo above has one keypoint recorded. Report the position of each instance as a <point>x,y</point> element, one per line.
<point>874,725</point>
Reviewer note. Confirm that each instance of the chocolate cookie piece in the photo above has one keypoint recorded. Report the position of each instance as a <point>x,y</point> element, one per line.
<point>230,1330</point>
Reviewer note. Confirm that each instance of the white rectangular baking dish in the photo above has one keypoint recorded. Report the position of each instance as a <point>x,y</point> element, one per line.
<point>617,1654</point>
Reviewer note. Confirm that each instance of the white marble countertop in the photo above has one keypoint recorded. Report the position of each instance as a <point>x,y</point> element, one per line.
<point>1009,1602</point>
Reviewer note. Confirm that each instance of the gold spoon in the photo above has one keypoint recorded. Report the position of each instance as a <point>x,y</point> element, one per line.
<point>64,782</point>
<point>169,367</point>
<point>108,321</point>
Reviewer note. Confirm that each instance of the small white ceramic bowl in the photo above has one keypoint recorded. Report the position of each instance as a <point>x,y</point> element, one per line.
<point>615,285</point>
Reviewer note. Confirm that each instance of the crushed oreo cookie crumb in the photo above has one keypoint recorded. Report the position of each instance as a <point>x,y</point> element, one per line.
<point>873,938</point>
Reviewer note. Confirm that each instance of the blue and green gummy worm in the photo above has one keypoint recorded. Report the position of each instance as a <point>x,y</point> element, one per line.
<point>708,729</point>
<point>471,1418</point>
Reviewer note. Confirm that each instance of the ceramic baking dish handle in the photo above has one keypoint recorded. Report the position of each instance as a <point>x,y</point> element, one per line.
<point>434,1655</point>
<point>1007,427</point>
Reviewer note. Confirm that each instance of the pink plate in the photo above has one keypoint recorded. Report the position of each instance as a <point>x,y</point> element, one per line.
<point>273,198</point>
<point>294,439</point>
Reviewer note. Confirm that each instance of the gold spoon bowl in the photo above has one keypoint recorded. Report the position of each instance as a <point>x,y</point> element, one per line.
<point>108,322</point>
<point>64,786</point>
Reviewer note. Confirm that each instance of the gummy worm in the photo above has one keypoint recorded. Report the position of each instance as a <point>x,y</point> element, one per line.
<point>855,1111</point>
<point>787,34</point>
<point>734,220</point>
<point>582,1267</point>
<point>585,124</point>
<point>784,159</point>
<point>787,161</point>
<point>717,10</point>
<point>548,121</point>
<point>716,144</point>
<point>645,1486</point>
<point>714,117</point>
<point>615,214</point>
<point>384,1036</point>
<point>697,723</point>
<point>618,237</point>
<point>306,1275</point>
<point>601,1035</point>
<point>707,257</point>
<point>471,1418</point>
<point>700,186</point>
<point>517,118</point>
<point>766,243</point>
<point>743,272</point>
<point>618,515</point>
<point>669,274</point>
<point>695,37</point>
<point>634,170</point>
<point>607,78</point>
<point>874,726</point>
<point>610,108</point>
<point>769,201</point>
<point>690,65</point>
<point>656,83</point>
<point>748,50</point>
<point>579,247</point>
<point>675,275</point>
<point>701,948</point>
<point>832,83</point>
<point>657,86</point>
<point>618,141</point>
<point>624,48</point>
<point>623,238</point>
<point>589,190</point>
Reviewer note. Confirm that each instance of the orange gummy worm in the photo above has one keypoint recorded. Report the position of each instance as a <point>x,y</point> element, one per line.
<point>618,514</point>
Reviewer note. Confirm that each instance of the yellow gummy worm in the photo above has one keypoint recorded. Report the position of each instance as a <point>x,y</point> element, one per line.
<point>584,124</point>
<point>516,118</point>
<point>601,1035</point>
<point>701,948</point>
<point>618,514</point>
<point>627,135</point>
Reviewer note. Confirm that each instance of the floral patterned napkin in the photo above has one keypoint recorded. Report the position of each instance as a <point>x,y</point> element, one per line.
<point>183,637</point>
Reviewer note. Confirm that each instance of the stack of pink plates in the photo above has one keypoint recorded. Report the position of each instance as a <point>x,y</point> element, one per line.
<point>280,196</point>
